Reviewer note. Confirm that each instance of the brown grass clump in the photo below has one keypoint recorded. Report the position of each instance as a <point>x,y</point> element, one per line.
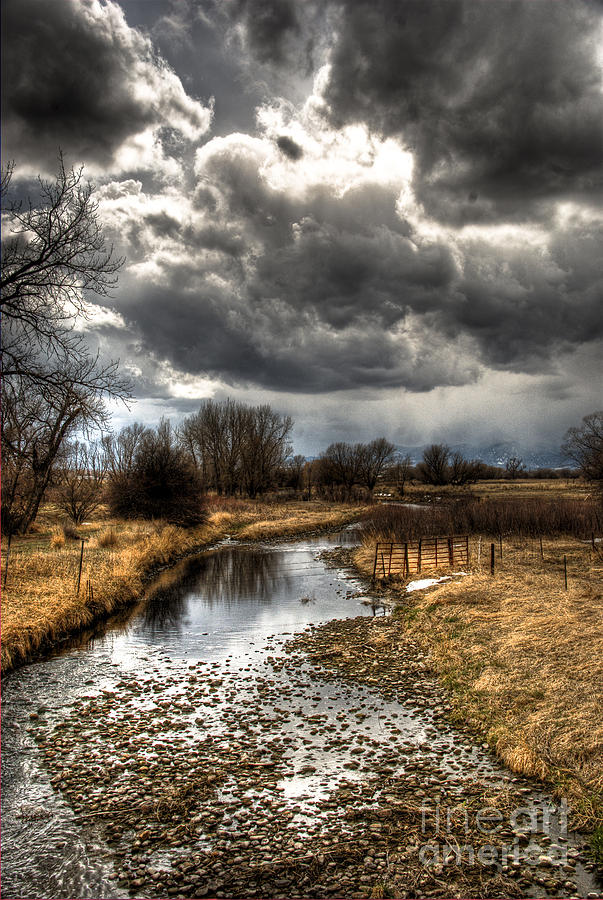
<point>523,658</point>
<point>108,538</point>
<point>57,539</point>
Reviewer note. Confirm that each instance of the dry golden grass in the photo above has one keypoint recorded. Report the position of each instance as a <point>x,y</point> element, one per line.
<point>523,658</point>
<point>40,606</point>
<point>302,518</point>
<point>520,488</point>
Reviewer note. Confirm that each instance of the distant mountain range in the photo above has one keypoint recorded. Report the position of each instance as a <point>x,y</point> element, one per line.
<point>498,454</point>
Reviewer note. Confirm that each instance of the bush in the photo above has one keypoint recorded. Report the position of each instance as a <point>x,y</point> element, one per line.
<point>160,483</point>
<point>57,540</point>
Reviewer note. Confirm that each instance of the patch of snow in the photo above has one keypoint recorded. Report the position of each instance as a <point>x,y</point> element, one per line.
<point>428,582</point>
<point>425,583</point>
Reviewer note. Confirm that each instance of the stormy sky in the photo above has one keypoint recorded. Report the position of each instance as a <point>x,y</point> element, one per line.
<point>380,216</point>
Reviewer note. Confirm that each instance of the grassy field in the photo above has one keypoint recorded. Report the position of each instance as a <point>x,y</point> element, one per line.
<point>520,489</point>
<point>523,657</point>
<point>40,606</point>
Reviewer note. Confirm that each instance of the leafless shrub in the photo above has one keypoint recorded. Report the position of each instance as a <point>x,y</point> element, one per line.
<point>81,475</point>
<point>584,445</point>
<point>71,533</point>
<point>161,482</point>
<point>108,538</point>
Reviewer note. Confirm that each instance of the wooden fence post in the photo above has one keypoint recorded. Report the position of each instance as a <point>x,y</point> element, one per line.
<point>541,549</point>
<point>492,559</point>
<point>5,573</point>
<point>450,552</point>
<point>436,552</point>
<point>565,571</point>
<point>419,548</point>
<point>79,574</point>
<point>406,566</point>
<point>500,544</point>
<point>375,563</point>
<point>391,553</point>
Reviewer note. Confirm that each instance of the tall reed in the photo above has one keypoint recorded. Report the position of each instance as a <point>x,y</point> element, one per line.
<point>529,517</point>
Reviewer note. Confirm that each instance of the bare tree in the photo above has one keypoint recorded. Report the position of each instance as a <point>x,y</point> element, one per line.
<point>35,425</point>
<point>161,483</point>
<point>514,467</point>
<point>400,472</point>
<point>372,460</point>
<point>340,465</point>
<point>238,448</point>
<point>434,468</point>
<point>294,471</point>
<point>584,446</point>
<point>53,255</point>
<point>463,471</point>
<point>120,449</point>
<point>81,475</point>
<point>309,475</point>
<point>265,448</point>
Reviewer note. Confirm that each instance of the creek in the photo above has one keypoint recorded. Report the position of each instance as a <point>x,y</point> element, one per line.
<point>196,670</point>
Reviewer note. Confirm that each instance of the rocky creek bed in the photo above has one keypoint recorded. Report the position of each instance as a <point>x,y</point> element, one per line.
<point>324,768</point>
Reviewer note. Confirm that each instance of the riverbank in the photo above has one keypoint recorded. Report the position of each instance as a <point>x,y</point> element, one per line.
<point>40,605</point>
<point>521,656</point>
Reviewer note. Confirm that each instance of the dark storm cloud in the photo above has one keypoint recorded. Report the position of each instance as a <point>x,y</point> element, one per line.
<point>318,292</point>
<point>202,332</point>
<point>77,77</point>
<point>289,147</point>
<point>268,24</point>
<point>501,100</point>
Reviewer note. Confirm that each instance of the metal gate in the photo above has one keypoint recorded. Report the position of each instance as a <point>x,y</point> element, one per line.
<point>408,557</point>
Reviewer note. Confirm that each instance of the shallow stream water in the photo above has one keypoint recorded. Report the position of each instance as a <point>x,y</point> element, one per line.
<point>225,616</point>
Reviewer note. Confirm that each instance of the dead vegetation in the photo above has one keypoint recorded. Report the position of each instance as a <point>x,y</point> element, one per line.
<point>531,517</point>
<point>518,488</point>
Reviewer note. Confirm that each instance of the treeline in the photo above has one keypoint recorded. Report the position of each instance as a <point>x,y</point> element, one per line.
<point>164,472</point>
<point>236,448</point>
<point>442,466</point>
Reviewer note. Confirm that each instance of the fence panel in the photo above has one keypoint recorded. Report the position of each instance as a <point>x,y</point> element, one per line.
<point>410,557</point>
